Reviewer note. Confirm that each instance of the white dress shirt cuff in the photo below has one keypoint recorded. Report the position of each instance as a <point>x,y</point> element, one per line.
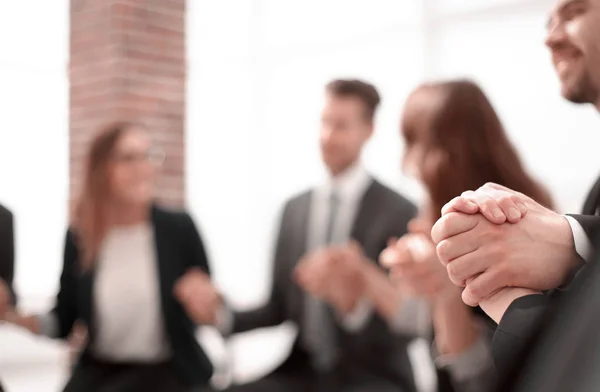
<point>583,245</point>
<point>469,364</point>
<point>413,318</point>
<point>357,319</point>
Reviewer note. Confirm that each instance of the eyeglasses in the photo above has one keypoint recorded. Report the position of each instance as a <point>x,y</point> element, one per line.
<point>154,156</point>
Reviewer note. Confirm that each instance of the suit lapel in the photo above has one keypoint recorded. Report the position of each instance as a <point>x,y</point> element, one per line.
<point>85,294</point>
<point>166,274</point>
<point>366,211</point>
<point>299,225</point>
<point>301,220</point>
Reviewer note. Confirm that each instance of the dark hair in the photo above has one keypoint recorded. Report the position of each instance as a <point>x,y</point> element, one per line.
<point>465,144</point>
<point>364,91</point>
<point>90,219</point>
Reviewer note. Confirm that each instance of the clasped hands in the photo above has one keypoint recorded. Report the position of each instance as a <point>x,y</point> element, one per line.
<point>334,274</point>
<point>495,238</point>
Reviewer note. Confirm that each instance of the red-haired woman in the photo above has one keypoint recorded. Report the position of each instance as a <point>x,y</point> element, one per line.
<point>454,142</point>
<point>135,274</point>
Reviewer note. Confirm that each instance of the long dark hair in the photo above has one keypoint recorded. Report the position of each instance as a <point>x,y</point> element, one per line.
<point>464,143</point>
<point>90,220</point>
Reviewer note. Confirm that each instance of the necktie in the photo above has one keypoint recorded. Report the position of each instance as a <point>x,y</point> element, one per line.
<point>334,206</point>
<point>319,319</point>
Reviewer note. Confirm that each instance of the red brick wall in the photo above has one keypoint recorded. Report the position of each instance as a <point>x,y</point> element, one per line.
<point>127,62</point>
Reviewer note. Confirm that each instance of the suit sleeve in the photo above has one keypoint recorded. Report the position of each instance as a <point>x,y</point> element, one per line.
<point>194,243</point>
<point>65,310</point>
<point>273,312</point>
<point>516,328</point>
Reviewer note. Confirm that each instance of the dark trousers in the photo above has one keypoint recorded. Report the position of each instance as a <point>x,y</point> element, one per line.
<point>306,382</point>
<point>297,375</point>
<point>92,375</point>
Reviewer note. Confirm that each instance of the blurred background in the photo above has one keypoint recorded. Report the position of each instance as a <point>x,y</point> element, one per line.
<point>233,90</point>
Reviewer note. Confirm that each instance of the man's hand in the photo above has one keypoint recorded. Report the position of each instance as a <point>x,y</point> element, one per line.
<point>312,271</point>
<point>199,297</point>
<point>496,202</point>
<point>538,253</point>
<point>333,274</point>
<point>415,268</point>
<point>5,300</point>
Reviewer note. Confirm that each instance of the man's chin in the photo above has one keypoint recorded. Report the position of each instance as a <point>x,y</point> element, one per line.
<point>575,91</point>
<point>574,96</point>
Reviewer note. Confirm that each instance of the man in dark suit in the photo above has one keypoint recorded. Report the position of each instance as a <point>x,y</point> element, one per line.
<point>506,267</point>
<point>343,344</point>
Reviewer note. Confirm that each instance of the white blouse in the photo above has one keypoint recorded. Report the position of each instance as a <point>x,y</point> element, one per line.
<point>127,305</point>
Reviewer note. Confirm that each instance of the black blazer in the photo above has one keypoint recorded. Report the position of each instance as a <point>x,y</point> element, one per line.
<point>178,247</point>
<point>564,355</point>
<point>526,316</point>
<point>374,352</point>
<point>7,249</point>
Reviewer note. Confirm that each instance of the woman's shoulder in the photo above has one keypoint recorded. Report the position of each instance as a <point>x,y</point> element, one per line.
<point>175,218</point>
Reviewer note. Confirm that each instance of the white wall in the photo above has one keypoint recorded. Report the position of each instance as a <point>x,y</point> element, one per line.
<point>33,137</point>
<point>34,176</point>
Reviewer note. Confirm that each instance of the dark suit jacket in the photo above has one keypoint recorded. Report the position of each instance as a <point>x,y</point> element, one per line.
<point>564,354</point>
<point>178,248</point>
<point>7,248</point>
<point>526,317</point>
<point>374,351</point>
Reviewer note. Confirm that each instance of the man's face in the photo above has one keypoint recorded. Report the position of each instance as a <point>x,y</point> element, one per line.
<point>574,42</point>
<point>344,130</point>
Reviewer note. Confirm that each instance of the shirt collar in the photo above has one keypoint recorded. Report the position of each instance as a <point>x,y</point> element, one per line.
<point>349,184</point>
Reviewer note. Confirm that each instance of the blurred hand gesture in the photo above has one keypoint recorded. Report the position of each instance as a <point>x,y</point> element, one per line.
<point>415,268</point>
<point>334,274</point>
<point>199,297</point>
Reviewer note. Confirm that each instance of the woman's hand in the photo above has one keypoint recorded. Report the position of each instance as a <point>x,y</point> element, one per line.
<point>199,297</point>
<point>416,270</point>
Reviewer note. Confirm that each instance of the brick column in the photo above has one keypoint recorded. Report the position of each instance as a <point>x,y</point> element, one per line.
<point>127,62</point>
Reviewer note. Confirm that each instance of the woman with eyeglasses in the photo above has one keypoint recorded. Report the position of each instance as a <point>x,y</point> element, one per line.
<point>135,274</point>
